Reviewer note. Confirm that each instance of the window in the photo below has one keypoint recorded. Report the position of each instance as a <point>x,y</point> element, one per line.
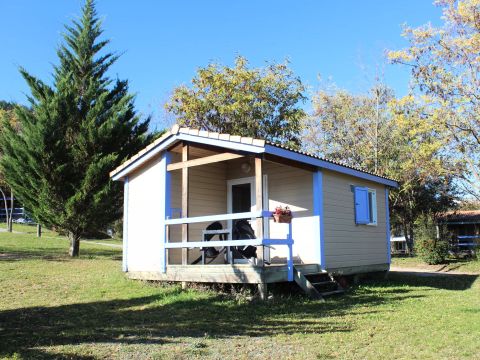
<point>372,203</point>
<point>365,206</point>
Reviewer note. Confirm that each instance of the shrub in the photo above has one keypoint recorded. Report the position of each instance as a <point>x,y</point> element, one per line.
<point>433,252</point>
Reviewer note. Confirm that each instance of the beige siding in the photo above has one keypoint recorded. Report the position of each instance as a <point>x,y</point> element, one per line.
<point>207,196</point>
<point>175,232</point>
<point>235,171</point>
<point>144,230</point>
<point>292,187</point>
<point>348,244</point>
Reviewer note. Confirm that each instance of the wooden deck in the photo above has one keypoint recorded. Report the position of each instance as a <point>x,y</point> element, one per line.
<point>239,273</point>
<point>243,273</point>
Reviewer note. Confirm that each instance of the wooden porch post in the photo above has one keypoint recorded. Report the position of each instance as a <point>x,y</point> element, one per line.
<point>259,204</point>
<point>262,287</point>
<point>185,151</point>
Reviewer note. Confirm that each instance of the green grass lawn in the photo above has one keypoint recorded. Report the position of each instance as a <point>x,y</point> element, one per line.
<point>46,233</point>
<point>55,307</point>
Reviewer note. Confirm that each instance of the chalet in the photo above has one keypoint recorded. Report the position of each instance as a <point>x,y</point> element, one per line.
<point>462,227</point>
<point>198,208</point>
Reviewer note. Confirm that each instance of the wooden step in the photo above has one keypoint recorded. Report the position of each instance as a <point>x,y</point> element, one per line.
<point>333,292</point>
<point>312,273</point>
<point>318,278</point>
<point>312,284</point>
<point>306,285</point>
<point>324,283</point>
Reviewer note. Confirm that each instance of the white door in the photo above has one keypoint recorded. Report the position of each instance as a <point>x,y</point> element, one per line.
<point>241,198</point>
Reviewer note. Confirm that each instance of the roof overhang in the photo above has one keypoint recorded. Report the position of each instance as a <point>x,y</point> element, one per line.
<point>248,145</point>
<point>172,139</point>
<point>292,155</point>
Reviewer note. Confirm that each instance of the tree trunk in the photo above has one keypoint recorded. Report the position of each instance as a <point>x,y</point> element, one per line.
<point>410,242</point>
<point>10,218</point>
<point>6,207</point>
<point>408,237</point>
<point>74,244</point>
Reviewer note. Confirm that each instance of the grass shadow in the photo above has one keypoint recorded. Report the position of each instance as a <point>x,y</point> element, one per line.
<point>445,281</point>
<point>151,319</point>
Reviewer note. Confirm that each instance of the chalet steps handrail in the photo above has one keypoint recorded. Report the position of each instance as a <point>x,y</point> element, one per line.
<point>224,243</point>
<point>211,218</point>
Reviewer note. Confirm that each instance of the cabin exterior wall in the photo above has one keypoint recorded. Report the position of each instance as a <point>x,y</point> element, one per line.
<point>292,187</point>
<point>347,244</point>
<point>144,228</point>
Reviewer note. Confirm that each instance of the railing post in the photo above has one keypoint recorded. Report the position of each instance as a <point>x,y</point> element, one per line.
<point>165,250</point>
<point>165,210</point>
<point>185,186</point>
<point>259,206</point>
<point>290,253</point>
<point>185,190</point>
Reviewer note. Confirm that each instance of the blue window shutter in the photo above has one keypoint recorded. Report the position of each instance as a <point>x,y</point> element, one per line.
<point>362,208</point>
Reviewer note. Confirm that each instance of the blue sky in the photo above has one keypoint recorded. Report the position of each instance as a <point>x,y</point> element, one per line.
<point>164,42</point>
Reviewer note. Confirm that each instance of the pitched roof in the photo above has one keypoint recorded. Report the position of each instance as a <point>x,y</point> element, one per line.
<point>252,144</point>
<point>460,216</point>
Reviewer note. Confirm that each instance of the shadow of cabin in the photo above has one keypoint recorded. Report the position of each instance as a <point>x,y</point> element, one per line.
<point>164,318</point>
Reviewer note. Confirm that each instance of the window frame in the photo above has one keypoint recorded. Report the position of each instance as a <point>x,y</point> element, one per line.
<point>371,205</point>
<point>372,202</point>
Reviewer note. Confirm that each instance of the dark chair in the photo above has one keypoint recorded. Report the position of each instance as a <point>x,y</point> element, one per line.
<point>241,231</point>
<point>210,253</point>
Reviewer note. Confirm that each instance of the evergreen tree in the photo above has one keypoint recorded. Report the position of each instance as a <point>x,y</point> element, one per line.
<point>77,130</point>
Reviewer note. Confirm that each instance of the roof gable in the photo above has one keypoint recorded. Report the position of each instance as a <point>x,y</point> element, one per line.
<point>239,143</point>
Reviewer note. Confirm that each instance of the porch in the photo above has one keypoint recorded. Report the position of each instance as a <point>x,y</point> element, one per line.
<point>205,185</point>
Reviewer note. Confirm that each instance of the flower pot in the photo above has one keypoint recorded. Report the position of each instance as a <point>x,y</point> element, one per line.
<point>285,219</point>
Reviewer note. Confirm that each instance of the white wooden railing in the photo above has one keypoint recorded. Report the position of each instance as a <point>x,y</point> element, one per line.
<point>211,218</point>
<point>226,243</point>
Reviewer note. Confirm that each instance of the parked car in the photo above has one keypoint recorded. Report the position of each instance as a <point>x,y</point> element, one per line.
<point>24,220</point>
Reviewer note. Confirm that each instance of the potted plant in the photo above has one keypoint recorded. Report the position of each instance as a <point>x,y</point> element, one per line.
<point>282,215</point>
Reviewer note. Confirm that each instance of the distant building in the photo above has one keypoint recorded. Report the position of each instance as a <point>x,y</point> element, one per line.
<point>463,228</point>
<point>398,245</point>
<point>17,212</point>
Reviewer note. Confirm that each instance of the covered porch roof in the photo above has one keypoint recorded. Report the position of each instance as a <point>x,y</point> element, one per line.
<point>237,143</point>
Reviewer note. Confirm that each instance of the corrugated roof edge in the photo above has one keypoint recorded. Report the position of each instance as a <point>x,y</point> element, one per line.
<point>329,160</point>
<point>176,129</point>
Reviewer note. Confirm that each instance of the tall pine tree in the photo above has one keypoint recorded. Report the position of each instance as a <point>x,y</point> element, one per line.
<point>77,130</point>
